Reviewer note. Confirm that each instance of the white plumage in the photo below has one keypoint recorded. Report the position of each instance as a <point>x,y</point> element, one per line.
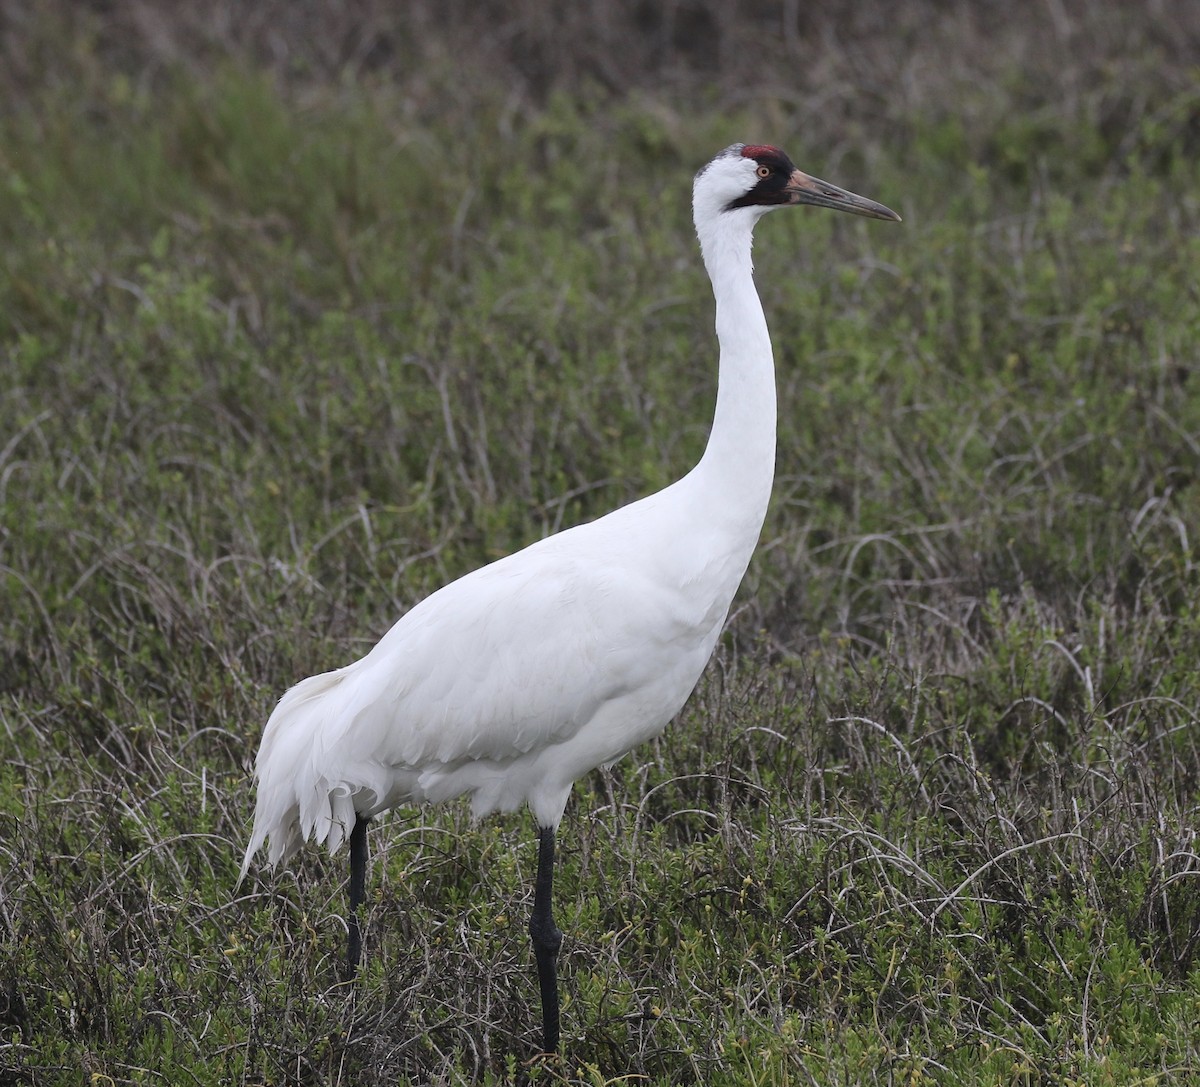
<point>514,681</point>
<point>507,684</point>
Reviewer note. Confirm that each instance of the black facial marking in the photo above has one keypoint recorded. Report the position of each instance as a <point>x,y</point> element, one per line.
<point>770,189</point>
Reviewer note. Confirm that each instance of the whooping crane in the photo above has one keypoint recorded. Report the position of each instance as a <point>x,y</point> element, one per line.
<point>512,682</point>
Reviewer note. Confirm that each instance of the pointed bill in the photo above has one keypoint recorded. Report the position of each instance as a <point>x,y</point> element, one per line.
<point>803,189</point>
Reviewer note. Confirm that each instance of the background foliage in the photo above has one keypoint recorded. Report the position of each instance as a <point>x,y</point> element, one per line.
<point>306,308</point>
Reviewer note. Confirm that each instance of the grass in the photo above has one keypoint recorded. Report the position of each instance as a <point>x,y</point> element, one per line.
<point>288,343</point>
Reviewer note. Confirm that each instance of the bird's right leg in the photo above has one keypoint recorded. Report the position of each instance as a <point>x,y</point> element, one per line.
<point>358,885</point>
<point>546,939</point>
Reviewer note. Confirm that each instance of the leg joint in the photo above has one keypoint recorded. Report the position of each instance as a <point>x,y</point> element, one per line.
<point>545,934</point>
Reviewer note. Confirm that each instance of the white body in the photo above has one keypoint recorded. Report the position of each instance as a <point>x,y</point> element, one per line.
<point>514,681</point>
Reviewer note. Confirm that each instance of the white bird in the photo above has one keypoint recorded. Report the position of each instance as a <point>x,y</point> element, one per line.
<point>517,679</point>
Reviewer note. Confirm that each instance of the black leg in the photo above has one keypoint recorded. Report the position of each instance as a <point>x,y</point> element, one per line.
<point>358,886</point>
<point>546,939</point>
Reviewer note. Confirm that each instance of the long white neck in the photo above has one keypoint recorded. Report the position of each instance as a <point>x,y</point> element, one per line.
<point>738,466</point>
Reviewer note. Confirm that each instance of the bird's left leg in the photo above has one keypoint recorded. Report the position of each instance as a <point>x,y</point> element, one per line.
<point>546,939</point>
<point>358,888</point>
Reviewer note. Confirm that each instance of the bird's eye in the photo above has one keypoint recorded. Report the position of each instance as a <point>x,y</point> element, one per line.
<point>763,171</point>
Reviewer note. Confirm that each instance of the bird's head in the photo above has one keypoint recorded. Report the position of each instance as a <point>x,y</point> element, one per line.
<point>752,179</point>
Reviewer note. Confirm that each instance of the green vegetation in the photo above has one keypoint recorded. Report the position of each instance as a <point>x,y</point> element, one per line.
<point>298,323</point>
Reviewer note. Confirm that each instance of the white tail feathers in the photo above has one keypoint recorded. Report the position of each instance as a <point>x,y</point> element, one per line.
<point>301,794</point>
